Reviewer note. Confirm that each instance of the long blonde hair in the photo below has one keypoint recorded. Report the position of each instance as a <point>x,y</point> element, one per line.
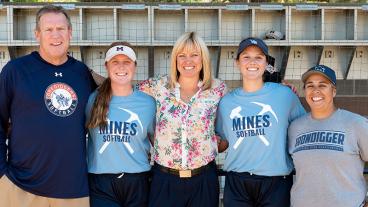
<point>191,40</point>
<point>100,106</point>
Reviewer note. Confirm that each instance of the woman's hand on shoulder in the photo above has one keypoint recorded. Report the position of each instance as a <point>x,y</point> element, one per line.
<point>97,77</point>
<point>222,144</point>
<point>291,86</point>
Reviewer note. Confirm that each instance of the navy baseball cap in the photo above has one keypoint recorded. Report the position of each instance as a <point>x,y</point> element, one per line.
<point>322,70</point>
<point>257,42</point>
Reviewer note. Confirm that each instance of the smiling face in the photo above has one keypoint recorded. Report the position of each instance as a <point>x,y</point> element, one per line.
<point>121,70</point>
<point>252,63</point>
<point>319,94</point>
<point>189,62</point>
<point>54,36</point>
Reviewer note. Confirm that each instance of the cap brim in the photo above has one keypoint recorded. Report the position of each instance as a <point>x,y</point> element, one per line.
<point>270,59</point>
<point>129,55</point>
<point>307,74</point>
<point>120,50</point>
<point>246,45</point>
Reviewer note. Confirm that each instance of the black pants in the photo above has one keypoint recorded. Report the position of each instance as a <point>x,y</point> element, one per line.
<point>168,190</point>
<point>107,190</point>
<point>245,190</point>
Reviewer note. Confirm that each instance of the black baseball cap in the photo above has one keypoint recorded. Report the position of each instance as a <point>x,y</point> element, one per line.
<point>257,42</point>
<point>322,70</point>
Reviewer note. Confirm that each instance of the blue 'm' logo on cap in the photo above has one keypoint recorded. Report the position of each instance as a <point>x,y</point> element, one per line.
<point>119,48</point>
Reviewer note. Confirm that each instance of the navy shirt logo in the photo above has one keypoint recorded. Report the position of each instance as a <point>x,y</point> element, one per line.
<point>60,99</point>
<point>58,74</point>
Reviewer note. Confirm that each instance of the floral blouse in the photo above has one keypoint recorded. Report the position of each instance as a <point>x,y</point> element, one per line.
<point>185,136</point>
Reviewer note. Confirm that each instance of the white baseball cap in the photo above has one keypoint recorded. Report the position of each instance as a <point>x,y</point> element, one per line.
<point>120,50</point>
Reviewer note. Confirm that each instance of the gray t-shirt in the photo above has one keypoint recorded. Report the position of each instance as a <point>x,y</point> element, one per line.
<point>329,158</point>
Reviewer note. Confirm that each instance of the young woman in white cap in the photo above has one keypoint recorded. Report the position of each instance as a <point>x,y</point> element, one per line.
<point>120,121</point>
<point>329,147</point>
<point>254,120</point>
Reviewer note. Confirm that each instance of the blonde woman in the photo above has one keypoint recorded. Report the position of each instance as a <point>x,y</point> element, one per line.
<point>120,122</point>
<point>185,144</point>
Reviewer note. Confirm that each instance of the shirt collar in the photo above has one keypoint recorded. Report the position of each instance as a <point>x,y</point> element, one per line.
<point>177,89</point>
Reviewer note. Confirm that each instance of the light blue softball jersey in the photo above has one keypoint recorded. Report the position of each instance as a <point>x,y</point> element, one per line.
<point>123,146</point>
<point>255,125</point>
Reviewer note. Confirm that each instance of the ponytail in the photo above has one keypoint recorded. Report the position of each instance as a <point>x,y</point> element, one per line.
<point>100,107</point>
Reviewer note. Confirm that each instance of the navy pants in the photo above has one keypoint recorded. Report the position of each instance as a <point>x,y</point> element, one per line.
<point>246,190</point>
<point>130,190</point>
<point>168,190</point>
